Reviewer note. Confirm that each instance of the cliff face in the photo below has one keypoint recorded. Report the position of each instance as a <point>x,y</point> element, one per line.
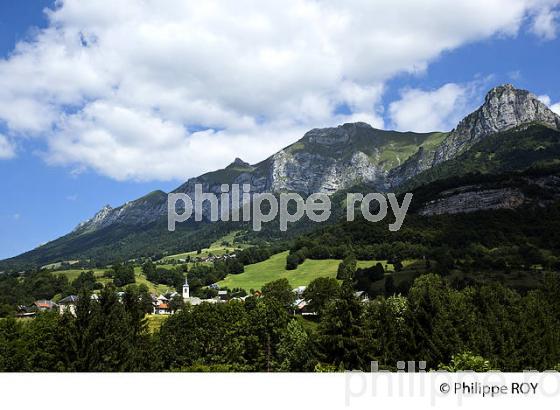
<point>473,199</point>
<point>422,160</point>
<point>325,164</point>
<point>331,159</point>
<point>529,191</point>
<point>504,108</point>
<point>147,209</point>
<point>325,160</point>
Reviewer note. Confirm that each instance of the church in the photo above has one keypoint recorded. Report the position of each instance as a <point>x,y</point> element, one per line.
<point>187,295</point>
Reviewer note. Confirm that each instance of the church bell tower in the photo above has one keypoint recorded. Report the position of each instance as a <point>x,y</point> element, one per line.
<point>186,291</point>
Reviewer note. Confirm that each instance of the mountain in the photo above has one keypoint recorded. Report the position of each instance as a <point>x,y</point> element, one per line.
<point>528,145</point>
<point>324,160</point>
<point>510,132</point>
<point>504,108</point>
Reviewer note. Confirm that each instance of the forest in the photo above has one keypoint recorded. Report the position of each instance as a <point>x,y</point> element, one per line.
<point>479,327</point>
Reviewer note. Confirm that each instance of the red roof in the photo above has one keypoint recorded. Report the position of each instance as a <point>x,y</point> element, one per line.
<point>46,304</point>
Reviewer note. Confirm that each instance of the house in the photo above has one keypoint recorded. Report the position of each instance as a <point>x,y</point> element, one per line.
<point>194,301</point>
<point>161,306</point>
<point>222,295</point>
<point>43,305</point>
<point>301,307</point>
<point>68,304</point>
<point>299,291</point>
<point>27,311</point>
<point>361,296</point>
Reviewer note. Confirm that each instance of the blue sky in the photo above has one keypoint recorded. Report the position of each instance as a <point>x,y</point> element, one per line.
<point>100,124</point>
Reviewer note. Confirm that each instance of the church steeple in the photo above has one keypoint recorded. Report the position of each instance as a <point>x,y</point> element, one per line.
<point>186,290</point>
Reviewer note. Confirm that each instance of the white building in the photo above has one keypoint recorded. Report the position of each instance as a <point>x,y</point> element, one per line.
<point>186,291</point>
<point>68,304</point>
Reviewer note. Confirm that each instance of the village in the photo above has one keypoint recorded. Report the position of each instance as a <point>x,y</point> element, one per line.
<point>162,304</point>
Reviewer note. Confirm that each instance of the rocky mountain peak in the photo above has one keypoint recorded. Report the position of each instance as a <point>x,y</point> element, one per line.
<point>505,107</point>
<point>335,135</point>
<point>500,90</point>
<point>238,162</point>
<point>335,158</point>
<point>97,219</point>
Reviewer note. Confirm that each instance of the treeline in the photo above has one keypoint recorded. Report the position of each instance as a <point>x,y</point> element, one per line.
<point>486,326</point>
<point>201,275</point>
<point>23,289</point>
<point>496,240</point>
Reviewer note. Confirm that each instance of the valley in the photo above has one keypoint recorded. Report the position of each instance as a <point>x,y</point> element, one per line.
<point>476,260</point>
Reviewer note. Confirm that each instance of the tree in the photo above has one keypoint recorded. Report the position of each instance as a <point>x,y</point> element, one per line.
<point>107,335</point>
<point>86,280</point>
<point>279,290</point>
<point>340,331</point>
<point>295,350</point>
<point>267,321</point>
<point>207,337</point>
<point>13,357</point>
<point>346,268</point>
<point>42,347</point>
<point>176,303</point>
<point>149,270</point>
<point>377,272</point>
<point>467,361</point>
<point>436,311</point>
<point>123,274</point>
<point>320,292</point>
<point>295,258</point>
<point>388,331</point>
<point>390,288</point>
<point>292,261</point>
<point>234,266</point>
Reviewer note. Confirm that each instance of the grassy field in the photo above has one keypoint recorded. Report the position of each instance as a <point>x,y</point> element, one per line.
<point>152,287</point>
<point>98,273</point>
<point>72,274</point>
<point>220,247</point>
<point>256,275</point>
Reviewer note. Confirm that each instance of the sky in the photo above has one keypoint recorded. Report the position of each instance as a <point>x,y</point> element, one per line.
<point>102,102</point>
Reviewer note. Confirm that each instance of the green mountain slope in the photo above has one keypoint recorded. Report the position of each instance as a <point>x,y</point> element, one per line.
<point>533,145</point>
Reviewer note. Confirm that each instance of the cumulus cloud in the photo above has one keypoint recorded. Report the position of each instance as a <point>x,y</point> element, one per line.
<point>545,24</point>
<point>144,89</point>
<point>547,101</point>
<point>431,110</point>
<point>6,148</point>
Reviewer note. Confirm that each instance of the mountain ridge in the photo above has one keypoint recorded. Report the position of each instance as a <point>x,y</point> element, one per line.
<point>331,160</point>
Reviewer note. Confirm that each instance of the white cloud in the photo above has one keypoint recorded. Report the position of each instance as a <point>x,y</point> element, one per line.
<point>545,24</point>
<point>547,101</point>
<point>144,89</point>
<point>7,150</point>
<point>440,109</point>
